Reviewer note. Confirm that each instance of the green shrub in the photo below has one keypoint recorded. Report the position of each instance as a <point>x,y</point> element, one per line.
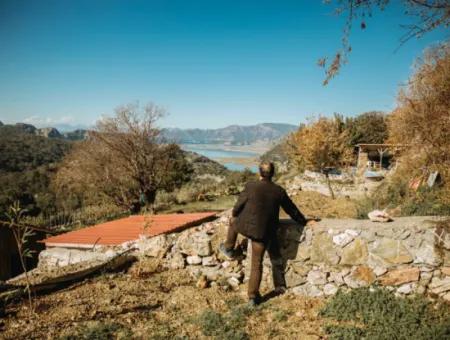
<point>229,326</point>
<point>99,331</point>
<point>378,314</point>
<point>423,202</point>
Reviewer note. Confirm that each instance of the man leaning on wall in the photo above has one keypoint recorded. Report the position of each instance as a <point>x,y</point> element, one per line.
<point>256,216</point>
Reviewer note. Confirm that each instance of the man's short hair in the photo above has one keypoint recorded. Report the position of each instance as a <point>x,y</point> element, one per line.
<point>266,169</point>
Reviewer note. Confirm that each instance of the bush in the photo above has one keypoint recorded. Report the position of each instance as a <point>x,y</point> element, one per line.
<point>379,314</point>
<point>229,326</point>
<point>395,193</point>
<point>99,331</point>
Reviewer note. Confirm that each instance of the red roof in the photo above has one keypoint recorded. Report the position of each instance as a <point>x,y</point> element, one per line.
<point>128,229</point>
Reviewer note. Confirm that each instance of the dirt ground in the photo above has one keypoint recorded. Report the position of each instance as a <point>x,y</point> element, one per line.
<point>145,302</point>
<point>155,304</point>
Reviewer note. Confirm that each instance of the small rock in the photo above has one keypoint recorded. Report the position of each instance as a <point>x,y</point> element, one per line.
<point>233,282</point>
<point>426,276</point>
<point>426,269</point>
<point>337,278</point>
<point>446,297</point>
<point>445,271</point>
<point>438,286</point>
<point>378,270</point>
<point>421,289</point>
<point>202,282</point>
<point>194,260</point>
<point>330,289</point>
<point>316,277</point>
<point>307,290</point>
<point>177,261</point>
<point>379,216</point>
<point>342,239</point>
<point>403,234</point>
<point>406,289</point>
<point>209,261</point>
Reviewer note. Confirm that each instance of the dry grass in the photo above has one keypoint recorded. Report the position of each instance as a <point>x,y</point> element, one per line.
<point>156,305</point>
<point>314,203</point>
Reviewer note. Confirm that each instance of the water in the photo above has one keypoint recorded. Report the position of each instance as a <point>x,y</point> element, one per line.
<point>216,154</point>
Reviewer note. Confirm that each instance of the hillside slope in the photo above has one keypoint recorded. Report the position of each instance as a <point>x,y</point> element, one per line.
<point>233,134</point>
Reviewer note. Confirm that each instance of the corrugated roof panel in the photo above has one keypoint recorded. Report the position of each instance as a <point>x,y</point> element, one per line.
<point>128,229</point>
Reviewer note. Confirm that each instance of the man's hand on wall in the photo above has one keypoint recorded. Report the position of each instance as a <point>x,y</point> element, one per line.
<point>310,220</point>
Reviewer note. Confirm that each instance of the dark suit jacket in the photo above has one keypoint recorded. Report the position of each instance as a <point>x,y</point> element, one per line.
<point>258,207</point>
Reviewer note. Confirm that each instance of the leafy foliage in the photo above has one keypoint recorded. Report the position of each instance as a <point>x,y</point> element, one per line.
<point>322,143</point>
<point>379,314</point>
<point>428,15</point>
<point>21,151</point>
<point>369,127</point>
<point>27,164</point>
<point>124,160</point>
<point>22,233</point>
<point>422,119</point>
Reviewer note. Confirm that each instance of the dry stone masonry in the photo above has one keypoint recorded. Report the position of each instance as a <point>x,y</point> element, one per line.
<point>409,255</point>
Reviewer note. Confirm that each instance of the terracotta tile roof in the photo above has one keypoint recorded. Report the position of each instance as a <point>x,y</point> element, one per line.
<point>128,229</point>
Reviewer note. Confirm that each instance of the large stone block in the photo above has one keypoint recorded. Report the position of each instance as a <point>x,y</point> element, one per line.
<point>323,250</point>
<point>361,276</point>
<point>389,252</point>
<point>439,286</point>
<point>293,278</point>
<point>154,247</point>
<point>317,277</point>
<point>400,276</point>
<point>428,254</point>
<point>365,274</point>
<point>355,253</point>
<point>198,243</point>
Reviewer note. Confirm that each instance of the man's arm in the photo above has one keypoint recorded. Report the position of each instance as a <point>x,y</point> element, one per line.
<point>240,204</point>
<point>291,209</point>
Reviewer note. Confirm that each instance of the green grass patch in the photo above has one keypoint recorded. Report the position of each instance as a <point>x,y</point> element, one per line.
<point>226,326</point>
<point>221,203</point>
<point>99,331</point>
<point>379,314</point>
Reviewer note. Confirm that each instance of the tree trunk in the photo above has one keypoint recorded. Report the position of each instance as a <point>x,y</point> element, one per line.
<point>329,185</point>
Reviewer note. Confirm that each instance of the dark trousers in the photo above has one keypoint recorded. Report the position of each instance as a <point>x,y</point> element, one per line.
<point>258,249</point>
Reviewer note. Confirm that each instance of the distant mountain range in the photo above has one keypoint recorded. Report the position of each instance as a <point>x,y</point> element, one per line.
<point>231,135</point>
<point>48,132</point>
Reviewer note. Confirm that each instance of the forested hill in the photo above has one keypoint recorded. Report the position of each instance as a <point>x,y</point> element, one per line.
<point>233,134</point>
<point>47,132</point>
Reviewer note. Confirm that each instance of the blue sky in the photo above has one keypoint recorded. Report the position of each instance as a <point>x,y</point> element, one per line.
<point>210,63</point>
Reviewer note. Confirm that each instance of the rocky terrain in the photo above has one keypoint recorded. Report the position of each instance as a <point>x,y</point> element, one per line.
<point>181,286</point>
<point>408,255</point>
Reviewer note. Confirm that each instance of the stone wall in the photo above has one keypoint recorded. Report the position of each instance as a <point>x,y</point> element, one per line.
<point>408,255</point>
